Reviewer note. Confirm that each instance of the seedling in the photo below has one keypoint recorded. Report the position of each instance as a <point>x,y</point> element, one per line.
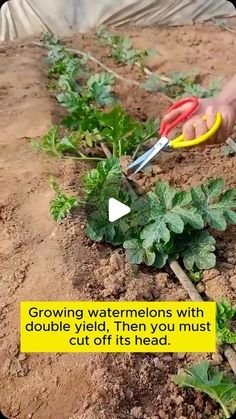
<point>181,85</point>
<point>122,49</point>
<point>226,315</point>
<point>69,145</point>
<point>204,378</point>
<point>122,134</point>
<point>62,205</point>
<point>195,275</point>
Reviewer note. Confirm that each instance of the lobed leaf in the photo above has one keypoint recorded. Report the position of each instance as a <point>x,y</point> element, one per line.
<point>204,378</point>
<point>215,213</point>
<point>199,251</point>
<point>62,205</point>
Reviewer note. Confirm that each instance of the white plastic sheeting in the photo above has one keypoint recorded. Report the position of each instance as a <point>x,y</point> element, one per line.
<point>23,18</point>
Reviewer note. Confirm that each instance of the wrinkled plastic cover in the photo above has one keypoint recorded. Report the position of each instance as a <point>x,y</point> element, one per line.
<point>23,18</point>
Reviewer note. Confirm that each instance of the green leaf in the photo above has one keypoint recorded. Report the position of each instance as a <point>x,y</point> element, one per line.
<point>100,88</point>
<point>213,188</point>
<point>136,254</point>
<point>106,172</point>
<point>204,378</point>
<point>174,222</point>
<point>153,84</point>
<point>165,194</point>
<point>118,127</point>
<point>67,144</point>
<point>99,227</point>
<point>195,275</point>
<point>155,232</point>
<point>199,251</point>
<point>215,212</point>
<point>160,260</point>
<point>62,205</point>
<point>224,316</point>
<point>49,142</point>
<point>123,51</point>
<point>171,211</point>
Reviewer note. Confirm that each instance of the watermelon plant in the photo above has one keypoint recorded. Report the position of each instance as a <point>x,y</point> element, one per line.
<point>182,85</point>
<point>62,205</point>
<point>163,224</point>
<point>226,322</point>
<point>83,95</point>
<point>202,377</point>
<point>122,49</point>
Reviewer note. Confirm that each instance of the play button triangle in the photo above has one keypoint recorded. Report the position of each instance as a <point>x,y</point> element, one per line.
<point>117,210</point>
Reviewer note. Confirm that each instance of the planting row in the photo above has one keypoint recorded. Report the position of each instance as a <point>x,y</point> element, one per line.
<point>164,224</point>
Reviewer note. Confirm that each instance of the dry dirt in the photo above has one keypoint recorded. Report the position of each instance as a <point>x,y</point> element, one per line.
<point>43,261</point>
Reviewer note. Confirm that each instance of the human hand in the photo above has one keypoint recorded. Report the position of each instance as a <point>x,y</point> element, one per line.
<point>195,126</point>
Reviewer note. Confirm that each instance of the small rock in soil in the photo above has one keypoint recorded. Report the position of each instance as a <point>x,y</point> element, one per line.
<point>143,288</point>
<point>156,169</point>
<point>167,358</point>
<point>227,265</point>
<point>233,282</point>
<point>217,359</point>
<point>181,355</point>
<point>178,400</point>
<point>156,362</point>
<point>136,412</point>
<point>200,288</point>
<point>116,262</point>
<point>162,279</point>
<point>22,357</point>
<point>113,284</point>
<point>14,349</point>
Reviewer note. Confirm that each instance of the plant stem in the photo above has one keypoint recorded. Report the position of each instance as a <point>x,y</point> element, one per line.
<point>83,158</point>
<point>81,202</point>
<point>225,410</point>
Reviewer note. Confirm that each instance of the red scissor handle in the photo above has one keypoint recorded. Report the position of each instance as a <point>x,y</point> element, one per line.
<point>166,128</point>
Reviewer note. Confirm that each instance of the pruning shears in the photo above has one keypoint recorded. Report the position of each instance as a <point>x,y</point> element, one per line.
<point>179,142</point>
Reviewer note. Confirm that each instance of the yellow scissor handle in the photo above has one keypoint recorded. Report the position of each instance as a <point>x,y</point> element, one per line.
<point>180,141</point>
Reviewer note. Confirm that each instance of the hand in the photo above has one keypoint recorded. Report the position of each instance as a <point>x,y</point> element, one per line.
<point>195,126</point>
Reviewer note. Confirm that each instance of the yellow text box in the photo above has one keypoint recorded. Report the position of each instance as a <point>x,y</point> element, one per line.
<point>118,326</point>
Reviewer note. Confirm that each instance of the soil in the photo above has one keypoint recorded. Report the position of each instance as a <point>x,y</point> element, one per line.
<point>44,261</point>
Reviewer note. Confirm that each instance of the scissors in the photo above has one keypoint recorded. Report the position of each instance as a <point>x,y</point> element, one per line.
<point>179,142</point>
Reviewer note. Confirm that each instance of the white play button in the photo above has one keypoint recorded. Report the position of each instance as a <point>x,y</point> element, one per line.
<point>117,210</point>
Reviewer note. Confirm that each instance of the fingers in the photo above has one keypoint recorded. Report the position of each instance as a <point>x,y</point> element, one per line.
<point>189,130</point>
<point>210,117</point>
<point>198,126</point>
<point>175,113</point>
<point>172,115</point>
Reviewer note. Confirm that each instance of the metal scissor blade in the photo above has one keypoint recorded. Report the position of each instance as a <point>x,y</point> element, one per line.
<point>140,159</point>
<point>162,143</point>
